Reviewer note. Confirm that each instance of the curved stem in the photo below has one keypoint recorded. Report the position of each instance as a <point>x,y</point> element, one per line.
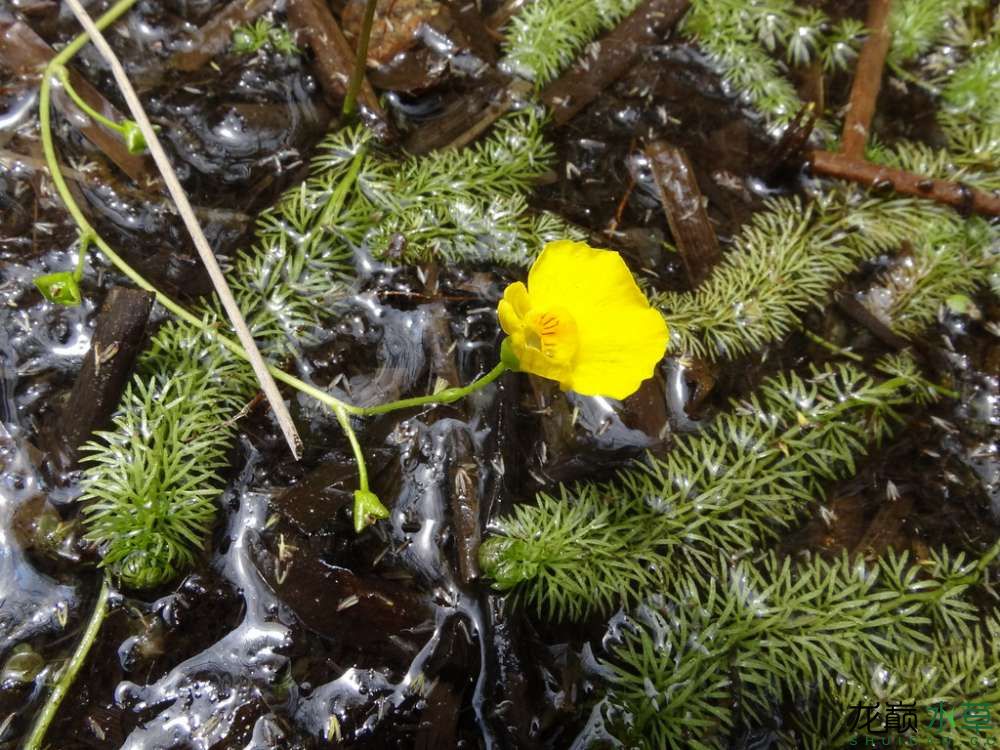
<point>446,396</point>
<point>63,75</point>
<point>69,672</point>
<point>358,74</point>
<point>352,438</point>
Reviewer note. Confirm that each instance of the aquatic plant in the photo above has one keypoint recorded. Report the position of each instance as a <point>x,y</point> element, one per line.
<point>753,636</point>
<point>743,38</point>
<point>547,35</point>
<point>151,482</point>
<point>252,37</point>
<point>739,482</point>
<point>786,260</point>
<point>917,25</point>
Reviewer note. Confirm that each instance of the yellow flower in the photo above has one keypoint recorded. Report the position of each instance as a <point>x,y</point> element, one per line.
<point>583,321</point>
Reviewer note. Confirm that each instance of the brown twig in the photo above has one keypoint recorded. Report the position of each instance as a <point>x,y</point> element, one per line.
<point>682,202</point>
<point>117,340</point>
<point>867,80</point>
<point>610,58</point>
<point>334,55</point>
<point>966,199</point>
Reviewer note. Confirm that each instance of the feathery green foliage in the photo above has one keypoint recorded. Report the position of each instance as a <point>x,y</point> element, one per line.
<point>750,636</point>
<point>251,37</point>
<point>908,296</point>
<point>917,25</point>
<point>742,480</point>
<point>743,39</point>
<point>150,485</point>
<point>547,35</point>
<point>787,259</point>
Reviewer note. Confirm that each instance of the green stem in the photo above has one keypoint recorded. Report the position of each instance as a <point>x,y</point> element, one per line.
<point>352,438</point>
<point>69,672</point>
<point>446,396</point>
<point>63,75</point>
<point>358,74</point>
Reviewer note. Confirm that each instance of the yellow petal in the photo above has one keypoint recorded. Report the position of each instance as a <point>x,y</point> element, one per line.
<point>581,279</point>
<point>617,351</point>
<point>513,307</point>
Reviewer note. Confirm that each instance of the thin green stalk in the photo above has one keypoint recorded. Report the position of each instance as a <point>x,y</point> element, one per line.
<point>68,675</point>
<point>357,76</point>
<point>446,396</point>
<point>63,75</point>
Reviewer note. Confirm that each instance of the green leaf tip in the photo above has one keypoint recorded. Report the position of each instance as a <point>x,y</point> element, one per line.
<point>367,509</point>
<point>135,141</point>
<point>61,287</point>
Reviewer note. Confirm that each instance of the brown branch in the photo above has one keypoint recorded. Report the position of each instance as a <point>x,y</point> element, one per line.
<point>682,202</point>
<point>117,340</point>
<point>867,79</point>
<point>613,55</point>
<point>966,199</point>
<point>313,20</point>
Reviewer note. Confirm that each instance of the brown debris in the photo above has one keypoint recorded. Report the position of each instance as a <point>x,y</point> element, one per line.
<point>215,36</point>
<point>608,59</point>
<point>313,21</point>
<point>685,209</point>
<point>118,338</point>
<point>962,197</point>
<point>887,529</point>
<point>25,53</point>
<point>463,475</point>
<point>867,80</point>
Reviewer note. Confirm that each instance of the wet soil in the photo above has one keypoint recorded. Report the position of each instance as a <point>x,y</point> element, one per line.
<point>292,631</point>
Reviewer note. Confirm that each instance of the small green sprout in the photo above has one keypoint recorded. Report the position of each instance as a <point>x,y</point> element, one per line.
<point>250,38</point>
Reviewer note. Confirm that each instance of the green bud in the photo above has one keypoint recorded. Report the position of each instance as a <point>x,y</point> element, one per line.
<point>60,287</point>
<point>508,357</point>
<point>367,509</point>
<point>244,42</point>
<point>135,141</point>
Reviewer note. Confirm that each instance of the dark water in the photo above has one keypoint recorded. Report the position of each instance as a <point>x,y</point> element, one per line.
<point>292,631</point>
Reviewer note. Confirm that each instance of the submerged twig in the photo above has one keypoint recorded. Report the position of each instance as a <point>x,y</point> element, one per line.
<point>118,337</point>
<point>876,176</point>
<point>610,58</point>
<point>867,80</point>
<point>229,303</point>
<point>683,204</point>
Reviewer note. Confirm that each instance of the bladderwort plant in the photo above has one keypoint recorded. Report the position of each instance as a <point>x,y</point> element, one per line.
<point>741,481</point>
<point>729,648</point>
<point>745,39</point>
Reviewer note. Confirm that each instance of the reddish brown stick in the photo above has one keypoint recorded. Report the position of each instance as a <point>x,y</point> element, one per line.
<point>685,210</point>
<point>962,197</point>
<point>867,79</point>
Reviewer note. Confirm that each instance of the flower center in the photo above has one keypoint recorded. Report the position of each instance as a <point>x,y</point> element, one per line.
<point>553,333</point>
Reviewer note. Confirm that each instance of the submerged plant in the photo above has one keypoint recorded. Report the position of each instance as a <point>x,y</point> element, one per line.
<point>547,35</point>
<point>751,636</point>
<point>743,39</point>
<point>741,481</point>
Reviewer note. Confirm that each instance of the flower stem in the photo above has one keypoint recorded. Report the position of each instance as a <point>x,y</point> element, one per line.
<point>63,75</point>
<point>69,672</point>
<point>358,74</point>
<point>446,396</point>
